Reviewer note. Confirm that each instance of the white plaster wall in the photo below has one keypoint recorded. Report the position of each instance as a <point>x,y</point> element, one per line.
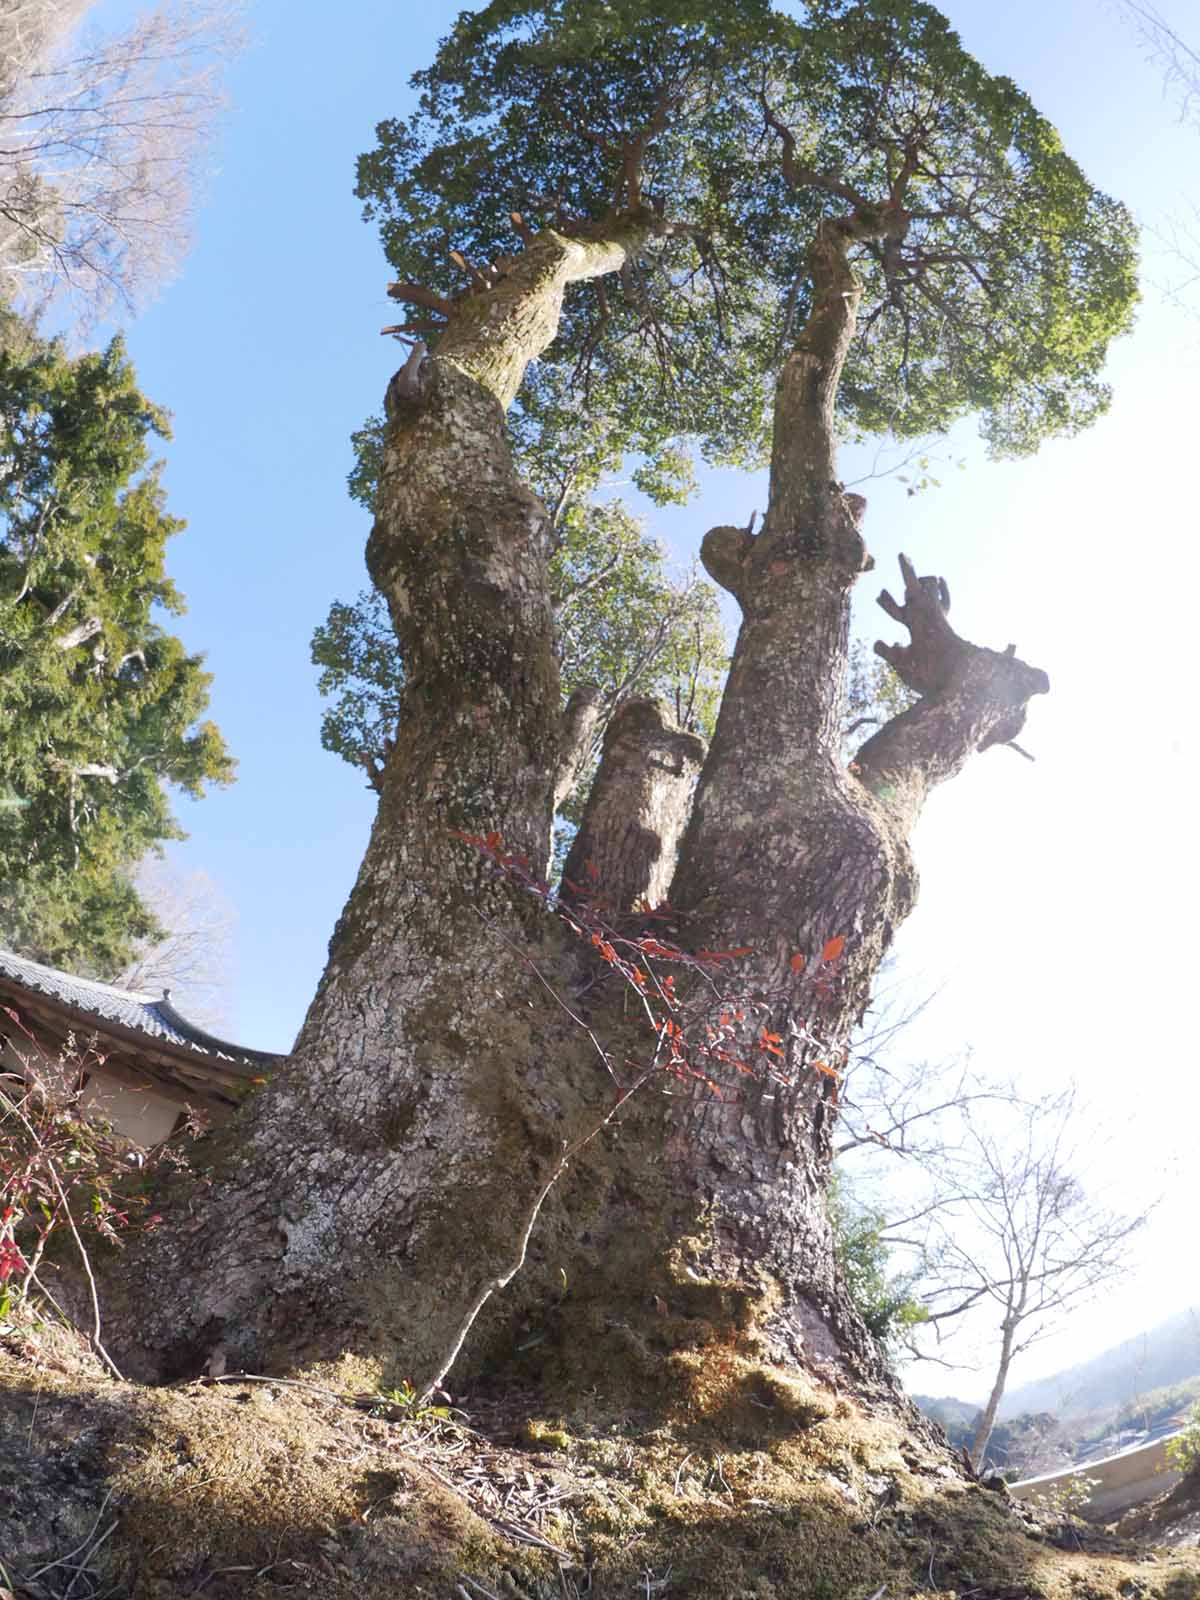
<point>1125,1480</point>
<point>137,1114</point>
<point>142,1115</point>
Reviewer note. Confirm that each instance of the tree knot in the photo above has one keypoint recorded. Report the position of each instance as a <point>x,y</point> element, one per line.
<point>724,552</point>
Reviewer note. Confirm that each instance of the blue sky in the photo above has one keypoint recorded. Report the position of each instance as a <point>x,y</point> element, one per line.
<point>1056,901</point>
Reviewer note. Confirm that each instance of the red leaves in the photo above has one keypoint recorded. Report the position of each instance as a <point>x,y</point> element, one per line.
<point>698,1025</point>
<point>489,843</point>
<point>59,1171</point>
<point>11,1260</point>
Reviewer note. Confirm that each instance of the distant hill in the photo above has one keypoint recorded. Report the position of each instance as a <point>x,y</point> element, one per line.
<point>956,1416</point>
<point>1129,1393</point>
<point>1162,1356</point>
<point>1019,1447</point>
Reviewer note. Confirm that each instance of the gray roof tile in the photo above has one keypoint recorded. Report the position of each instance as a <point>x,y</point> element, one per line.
<point>153,1015</point>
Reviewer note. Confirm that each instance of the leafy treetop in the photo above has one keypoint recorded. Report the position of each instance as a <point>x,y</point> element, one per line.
<point>994,274</point>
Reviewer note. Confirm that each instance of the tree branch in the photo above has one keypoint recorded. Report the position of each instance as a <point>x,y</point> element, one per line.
<point>416,294</point>
<point>801,176</point>
<point>576,733</point>
<point>971,698</point>
<point>79,634</point>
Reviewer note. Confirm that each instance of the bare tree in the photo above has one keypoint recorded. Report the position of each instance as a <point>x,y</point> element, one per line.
<point>911,1110</point>
<point>1012,1229</point>
<point>192,960</point>
<point>102,141</point>
<point>1178,60</point>
<point>887,1102</point>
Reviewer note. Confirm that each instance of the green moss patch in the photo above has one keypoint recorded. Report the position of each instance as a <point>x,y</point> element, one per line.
<point>758,1484</point>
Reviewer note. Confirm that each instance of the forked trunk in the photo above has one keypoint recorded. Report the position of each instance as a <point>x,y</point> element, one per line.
<point>403,1166</point>
<point>793,858</point>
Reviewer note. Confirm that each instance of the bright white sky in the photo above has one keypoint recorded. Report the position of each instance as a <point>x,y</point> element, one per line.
<point>1057,908</point>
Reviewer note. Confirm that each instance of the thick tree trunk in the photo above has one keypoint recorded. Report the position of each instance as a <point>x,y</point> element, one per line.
<point>787,854</point>
<point>785,850</point>
<point>421,1091</point>
<point>624,853</point>
<point>375,1195</point>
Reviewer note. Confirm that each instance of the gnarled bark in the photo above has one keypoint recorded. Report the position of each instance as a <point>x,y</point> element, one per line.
<point>786,850</point>
<point>623,855</point>
<point>971,698</point>
<point>384,1185</point>
<point>418,1092</point>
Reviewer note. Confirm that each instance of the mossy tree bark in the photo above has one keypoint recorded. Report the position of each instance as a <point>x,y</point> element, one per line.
<point>382,1187</point>
<point>334,1203</point>
<point>787,849</point>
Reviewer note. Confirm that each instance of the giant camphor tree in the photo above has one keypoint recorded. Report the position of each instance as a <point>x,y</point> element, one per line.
<point>706,223</point>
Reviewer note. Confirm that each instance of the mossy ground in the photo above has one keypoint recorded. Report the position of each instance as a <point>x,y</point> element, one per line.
<point>755,1484</point>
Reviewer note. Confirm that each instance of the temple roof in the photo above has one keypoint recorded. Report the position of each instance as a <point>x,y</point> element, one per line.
<point>152,1016</point>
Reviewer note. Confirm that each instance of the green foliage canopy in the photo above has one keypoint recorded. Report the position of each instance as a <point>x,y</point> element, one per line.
<point>996,289</point>
<point>102,706</point>
<point>625,623</point>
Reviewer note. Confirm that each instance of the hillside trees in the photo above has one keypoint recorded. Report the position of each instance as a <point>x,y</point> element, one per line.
<point>102,706</point>
<point>713,226</point>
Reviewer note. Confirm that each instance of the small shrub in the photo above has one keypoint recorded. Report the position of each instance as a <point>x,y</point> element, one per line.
<point>1067,1499</point>
<point>884,1300</point>
<point>63,1171</point>
<point>409,1404</point>
<point>1183,1451</point>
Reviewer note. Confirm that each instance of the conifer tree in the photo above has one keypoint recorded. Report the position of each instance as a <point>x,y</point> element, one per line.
<point>103,707</point>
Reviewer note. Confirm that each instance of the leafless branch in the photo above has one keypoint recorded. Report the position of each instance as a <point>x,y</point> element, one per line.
<point>1179,60</point>
<point>1016,1227</point>
<point>103,142</point>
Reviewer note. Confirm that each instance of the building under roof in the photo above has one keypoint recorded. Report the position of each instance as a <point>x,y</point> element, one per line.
<point>143,1066</point>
